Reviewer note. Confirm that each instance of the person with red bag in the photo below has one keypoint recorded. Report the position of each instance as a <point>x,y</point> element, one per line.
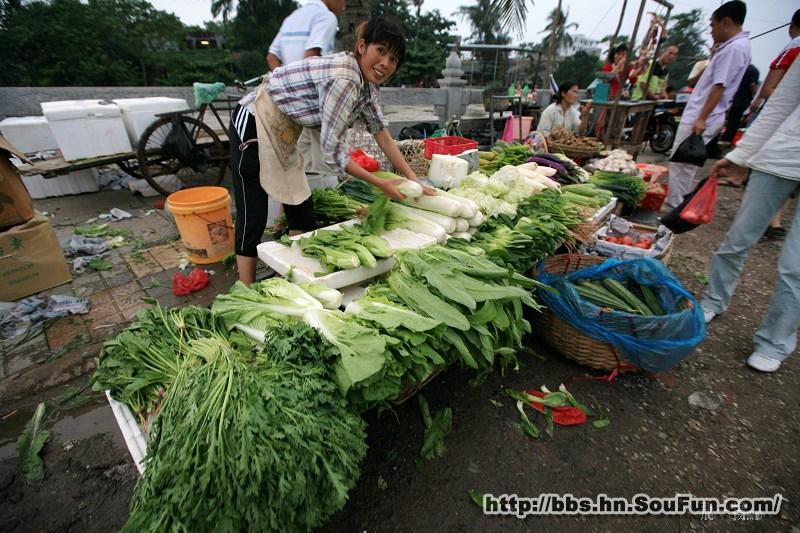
<point>771,149</point>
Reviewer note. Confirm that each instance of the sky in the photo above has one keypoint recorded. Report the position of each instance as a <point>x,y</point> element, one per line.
<point>595,18</point>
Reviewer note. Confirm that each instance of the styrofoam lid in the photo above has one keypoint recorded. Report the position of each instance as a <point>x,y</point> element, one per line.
<point>23,121</point>
<point>154,103</point>
<point>72,109</point>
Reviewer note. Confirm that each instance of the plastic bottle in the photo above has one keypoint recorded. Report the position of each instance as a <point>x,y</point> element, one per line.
<point>512,91</point>
<point>525,91</point>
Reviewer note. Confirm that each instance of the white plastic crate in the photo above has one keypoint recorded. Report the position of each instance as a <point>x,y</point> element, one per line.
<point>87,128</point>
<point>139,113</point>
<point>28,134</point>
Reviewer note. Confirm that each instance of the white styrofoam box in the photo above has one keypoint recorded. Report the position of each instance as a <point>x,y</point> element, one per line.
<point>282,258</point>
<point>139,113</point>
<point>131,432</point>
<point>28,134</point>
<point>601,214</point>
<point>87,128</point>
<point>77,182</point>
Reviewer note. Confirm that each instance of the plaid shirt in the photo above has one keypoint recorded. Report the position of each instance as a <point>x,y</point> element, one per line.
<point>327,93</point>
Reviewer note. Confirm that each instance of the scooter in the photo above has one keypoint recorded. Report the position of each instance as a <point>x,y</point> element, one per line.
<point>663,125</point>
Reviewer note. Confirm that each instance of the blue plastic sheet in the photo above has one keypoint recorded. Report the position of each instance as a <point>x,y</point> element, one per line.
<point>653,343</point>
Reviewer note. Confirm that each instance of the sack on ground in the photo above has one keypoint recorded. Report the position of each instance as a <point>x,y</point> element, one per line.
<point>691,151</point>
<point>652,343</point>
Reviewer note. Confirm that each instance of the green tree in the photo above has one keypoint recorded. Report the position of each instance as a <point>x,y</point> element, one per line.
<point>687,32</point>
<point>580,67</point>
<point>486,22</point>
<point>427,37</point>
<point>557,36</point>
<point>257,23</point>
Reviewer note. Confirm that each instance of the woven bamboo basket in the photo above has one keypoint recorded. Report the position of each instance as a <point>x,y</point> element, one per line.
<point>567,340</point>
<point>571,151</point>
<point>413,152</point>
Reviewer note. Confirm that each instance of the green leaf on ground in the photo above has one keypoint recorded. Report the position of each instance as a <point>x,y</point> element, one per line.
<point>437,427</point>
<point>100,264</point>
<point>476,497</point>
<point>30,444</point>
<point>495,403</point>
<point>601,423</point>
<point>525,425</point>
<point>701,278</point>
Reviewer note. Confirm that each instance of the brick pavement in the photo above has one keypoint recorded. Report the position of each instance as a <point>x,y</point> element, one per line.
<point>141,269</point>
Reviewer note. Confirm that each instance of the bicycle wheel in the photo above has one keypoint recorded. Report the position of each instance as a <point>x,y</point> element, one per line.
<point>167,171</point>
<point>131,168</point>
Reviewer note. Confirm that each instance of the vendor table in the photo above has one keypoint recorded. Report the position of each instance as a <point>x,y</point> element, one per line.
<point>616,115</point>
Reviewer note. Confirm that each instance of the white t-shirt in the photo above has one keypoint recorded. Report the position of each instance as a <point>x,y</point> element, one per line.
<point>554,117</point>
<point>310,26</point>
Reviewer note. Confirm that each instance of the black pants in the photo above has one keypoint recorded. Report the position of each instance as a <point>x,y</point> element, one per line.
<point>735,115</point>
<point>251,199</point>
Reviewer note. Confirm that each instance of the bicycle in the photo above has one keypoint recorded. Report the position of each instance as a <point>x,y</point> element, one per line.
<point>184,149</point>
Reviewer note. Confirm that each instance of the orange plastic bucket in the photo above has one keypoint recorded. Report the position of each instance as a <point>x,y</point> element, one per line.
<point>203,217</point>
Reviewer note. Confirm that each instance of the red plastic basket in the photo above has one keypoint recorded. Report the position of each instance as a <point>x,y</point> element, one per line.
<point>653,200</point>
<point>450,145</point>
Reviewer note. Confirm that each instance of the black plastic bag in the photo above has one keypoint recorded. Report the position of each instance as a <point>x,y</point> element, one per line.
<point>423,130</point>
<point>691,151</point>
<point>179,144</point>
<point>673,219</point>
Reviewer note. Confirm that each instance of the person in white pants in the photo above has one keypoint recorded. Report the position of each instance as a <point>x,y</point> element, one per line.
<point>771,148</point>
<point>711,97</point>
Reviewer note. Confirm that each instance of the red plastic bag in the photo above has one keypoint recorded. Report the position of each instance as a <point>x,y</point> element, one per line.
<point>700,209</point>
<point>364,161</point>
<point>563,416</point>
<point>183,285</point>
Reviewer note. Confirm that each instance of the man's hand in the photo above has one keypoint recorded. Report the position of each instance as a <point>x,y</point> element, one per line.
<point>733,172</point>
<point>699,126</point>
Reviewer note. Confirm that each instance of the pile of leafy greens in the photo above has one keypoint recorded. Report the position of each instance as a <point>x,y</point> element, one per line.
<point>250,437</point>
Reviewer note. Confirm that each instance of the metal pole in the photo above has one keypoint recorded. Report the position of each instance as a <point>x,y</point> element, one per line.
<point>625,69</point>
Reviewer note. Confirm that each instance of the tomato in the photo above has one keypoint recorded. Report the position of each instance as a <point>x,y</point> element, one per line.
<point>647,242</point>
<point>627,240</point>
<point>612,239</point>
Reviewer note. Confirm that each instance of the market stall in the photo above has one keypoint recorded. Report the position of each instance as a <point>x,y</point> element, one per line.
<point>246,412</point>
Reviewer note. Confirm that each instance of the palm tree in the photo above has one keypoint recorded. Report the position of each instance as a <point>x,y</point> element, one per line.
<point>557,36</point>
<point>485,21</point>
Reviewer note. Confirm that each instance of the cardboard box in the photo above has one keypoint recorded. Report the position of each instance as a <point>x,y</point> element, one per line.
<point>31,260</point>
<point>16,206</point>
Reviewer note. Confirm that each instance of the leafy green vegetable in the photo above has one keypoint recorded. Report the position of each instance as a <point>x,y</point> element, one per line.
<point>507,154</point>
<point>332,206</point>
<point>601,423</point>
<point>629,189</point>
<point>361,348</point>
<point>30,444</point>
<point>476,497</point>
<point>100,264</point>
<point>255,438</point>
<point>437,427</point>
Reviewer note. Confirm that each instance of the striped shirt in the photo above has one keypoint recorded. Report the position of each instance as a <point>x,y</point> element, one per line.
<point>328,93</point>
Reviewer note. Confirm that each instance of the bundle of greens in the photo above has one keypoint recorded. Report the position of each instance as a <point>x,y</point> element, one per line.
<point>550,202</point>
<point>141,362</point>
<point>507,154</point>
<point>409,357</point>
<point>345,248</point>
<point>250,437</point>
<point>479,302</point>
<point>359,190</point>
<point>332,206</point>
<point>260,308</point>
<point>629,189</point>
<point>587,195</point>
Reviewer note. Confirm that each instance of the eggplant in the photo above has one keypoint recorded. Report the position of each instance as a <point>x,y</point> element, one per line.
<point>559,166</point>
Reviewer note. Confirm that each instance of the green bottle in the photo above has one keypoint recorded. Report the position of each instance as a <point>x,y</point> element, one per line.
<point>525,91</point>
<point>512,91</point>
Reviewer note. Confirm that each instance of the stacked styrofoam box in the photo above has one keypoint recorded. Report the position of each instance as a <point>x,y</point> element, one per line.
<point>32,134</point>
<point>139,113</point>
<point>87,128</point>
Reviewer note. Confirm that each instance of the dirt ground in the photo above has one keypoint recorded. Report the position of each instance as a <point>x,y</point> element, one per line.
<point>657,442</point>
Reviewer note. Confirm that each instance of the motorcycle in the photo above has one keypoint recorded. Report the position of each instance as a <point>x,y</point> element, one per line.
<point>663,125</point>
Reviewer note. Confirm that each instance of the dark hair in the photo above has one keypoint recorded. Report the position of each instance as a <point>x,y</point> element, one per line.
<point>796,18</point>
<point>670,89</point>
<point>562,89</point>
<point>614,51</point>
<point>379,30</point>
<point>734,10</point>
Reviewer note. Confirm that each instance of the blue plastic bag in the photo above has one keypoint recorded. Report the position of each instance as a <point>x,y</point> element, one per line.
<point>653,343</point>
